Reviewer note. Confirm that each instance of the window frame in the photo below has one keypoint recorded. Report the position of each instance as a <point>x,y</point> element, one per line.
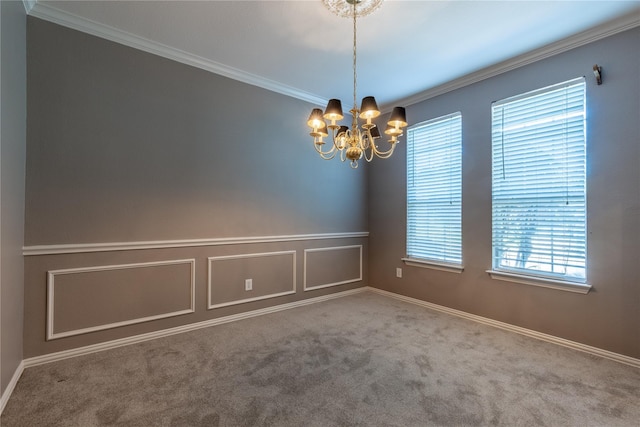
<point>414,259</point>
<point>537,277</point>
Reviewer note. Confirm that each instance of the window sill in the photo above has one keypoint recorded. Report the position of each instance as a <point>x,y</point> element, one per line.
<point>561,285</point>
<point>452,268</point>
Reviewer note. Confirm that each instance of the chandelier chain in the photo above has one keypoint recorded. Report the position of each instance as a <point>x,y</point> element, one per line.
<point>359,141</point>
<point>354,58</point>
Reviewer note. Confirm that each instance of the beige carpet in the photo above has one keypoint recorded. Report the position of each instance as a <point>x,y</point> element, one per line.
<point>361,360</point>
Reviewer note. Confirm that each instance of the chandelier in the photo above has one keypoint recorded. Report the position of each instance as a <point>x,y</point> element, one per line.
<point>358,141</point>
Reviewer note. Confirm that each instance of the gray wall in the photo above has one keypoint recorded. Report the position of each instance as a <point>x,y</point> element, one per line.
<point>125,146</point>
<point>608,317</point>
<point>12,170</point>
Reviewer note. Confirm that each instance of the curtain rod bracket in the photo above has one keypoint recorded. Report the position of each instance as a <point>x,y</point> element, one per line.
<point>597,71</point>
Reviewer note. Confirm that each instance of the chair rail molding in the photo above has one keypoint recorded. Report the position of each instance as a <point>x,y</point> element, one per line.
<point>74,248</point>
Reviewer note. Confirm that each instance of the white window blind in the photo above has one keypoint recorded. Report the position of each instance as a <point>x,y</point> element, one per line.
<point>434,190</point>
<point>539,183</point>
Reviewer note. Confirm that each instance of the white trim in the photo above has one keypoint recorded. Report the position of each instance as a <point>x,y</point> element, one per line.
<point>3,401</point>
<point>610,28</point>
<point>183,243</point>
<point>606,354</point>
<point>560,285</point>
<point>49,13</point>
<point>66,19</point>
<point>2,394</point>
<point>433,265</point>
<point>52,335</point>
<point>11,386</point>
<point>328,285</point>
<point>245,300</point>
<point>28,5</point>
<point>81,351</point>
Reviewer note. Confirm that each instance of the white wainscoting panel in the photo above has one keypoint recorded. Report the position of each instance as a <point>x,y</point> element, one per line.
<point>211,273</point>
<point>51,333</point>
<point>358,278</point>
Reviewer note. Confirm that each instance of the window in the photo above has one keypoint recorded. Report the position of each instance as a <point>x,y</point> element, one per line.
<point>434,193</point>
<point>539,184</point>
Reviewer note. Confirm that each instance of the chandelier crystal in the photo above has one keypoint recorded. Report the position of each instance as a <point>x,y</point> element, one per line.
<point>359,140</point>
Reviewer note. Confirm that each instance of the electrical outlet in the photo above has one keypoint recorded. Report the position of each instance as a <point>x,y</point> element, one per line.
<point>248,284</point>
<point>399,273</point>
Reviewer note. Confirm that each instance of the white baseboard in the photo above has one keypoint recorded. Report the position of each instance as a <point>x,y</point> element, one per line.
<point>621,358</point>
<point>11,386</point>
<point>53,357</point>
<point>66,354</point>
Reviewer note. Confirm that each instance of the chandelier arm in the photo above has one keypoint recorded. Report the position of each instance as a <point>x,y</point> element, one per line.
<point>368,141</point>
<point>334,134</point>
<point>369,146</point>
<point>385,154</point>
<point>343,155</point>
<point>354,143</point>
<point>327,155</point>
<point>369,158</point>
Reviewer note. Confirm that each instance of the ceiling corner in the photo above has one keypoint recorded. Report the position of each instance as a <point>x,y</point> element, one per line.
<point>28,5</point>
<point>88,26</point>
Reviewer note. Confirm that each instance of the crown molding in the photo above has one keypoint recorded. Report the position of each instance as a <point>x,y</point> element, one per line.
<point>610,28</point>
<point>28,5</point>
<point>48,13</point>
<point>51,14</point>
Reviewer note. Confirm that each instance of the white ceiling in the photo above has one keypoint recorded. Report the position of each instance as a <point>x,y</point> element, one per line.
<point>405,49</point>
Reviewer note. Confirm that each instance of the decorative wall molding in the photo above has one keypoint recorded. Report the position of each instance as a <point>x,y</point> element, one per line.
<point>595,351</point>
<point>610,28</point>
<point>80,351</point>
<point>211,260</point>
<point>28,5</point>
<point>51,275</point>
<point>51,14</point>
<point>75,248</point>
<point>327,285</point>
